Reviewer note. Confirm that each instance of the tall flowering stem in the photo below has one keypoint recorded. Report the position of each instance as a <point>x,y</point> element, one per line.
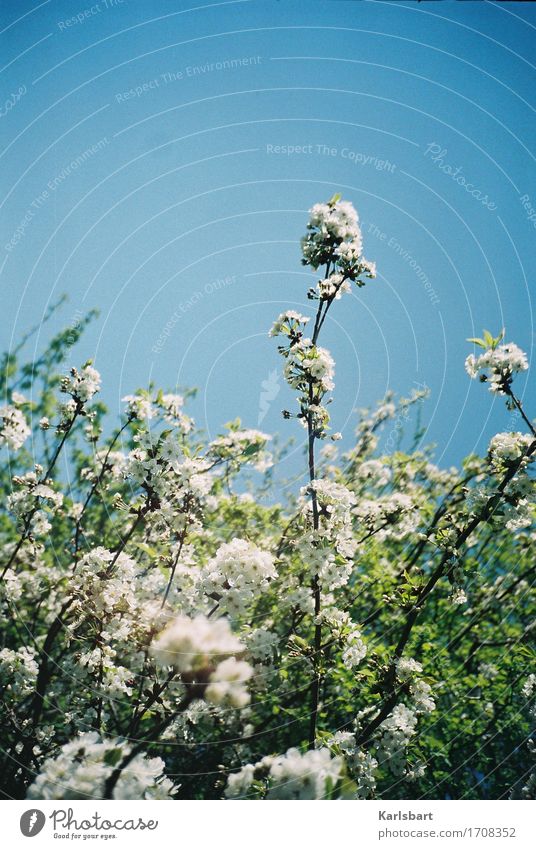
<point>333,241</point>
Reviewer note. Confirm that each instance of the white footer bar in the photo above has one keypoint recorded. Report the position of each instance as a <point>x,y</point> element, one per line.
<point>270,825</point>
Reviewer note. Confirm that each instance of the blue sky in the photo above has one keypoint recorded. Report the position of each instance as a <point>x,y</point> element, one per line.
<point>200,136</point>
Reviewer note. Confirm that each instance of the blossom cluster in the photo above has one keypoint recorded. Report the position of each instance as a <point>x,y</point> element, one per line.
<point>14,430</point>
<point>159,466</point>
<point>334,239</point>
<point>206,653</point>
<point>509,454</point>
<point>314,774</point>
<point>506,449</point>
<point>34,502</point>
<point>361,765</point>
<point>84,764</point>
<point>289,323</point>
<point>18,672</point>
<point>144,406</point>
<point>237,575</point>
<point>81,384</point>
<point>497,366</point>
<point>329,548</point>
<point>393,514</point>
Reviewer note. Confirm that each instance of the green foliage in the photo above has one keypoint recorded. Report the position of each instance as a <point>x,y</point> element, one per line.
<point>475,656</point>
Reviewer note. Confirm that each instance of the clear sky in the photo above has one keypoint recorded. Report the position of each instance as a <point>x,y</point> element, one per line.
<point>159,159</point>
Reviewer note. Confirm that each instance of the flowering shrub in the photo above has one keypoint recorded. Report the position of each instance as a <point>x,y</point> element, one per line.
<point>168,634</point>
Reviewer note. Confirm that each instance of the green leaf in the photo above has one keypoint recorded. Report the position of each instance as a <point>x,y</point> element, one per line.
<point>251,449</point>
<point>112,757</point>
<point>489,341</point>
<point>498,338</point>
<point>488,338</point>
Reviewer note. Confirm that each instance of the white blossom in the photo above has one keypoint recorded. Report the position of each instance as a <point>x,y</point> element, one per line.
<point>194,645</point>
<point>261,643</point>
<point>14,430</point>
<point>308,775</point>
<point>406,667</point>
<point>288,323</point>
<point>81,768</point>
<point>294,775</point>
<point>140,406</point>
<point>18,672</point>
<point>226,683</point>
<point>362,766</point>
<point>497,366</point>
<point>507,448</point>
<point>34,502</point>
<point>355,650</point>
<point>308,363</point>
<point>237,575</point>
<point>82,385</point>
<point>396,733</point>
<point>529,687</point>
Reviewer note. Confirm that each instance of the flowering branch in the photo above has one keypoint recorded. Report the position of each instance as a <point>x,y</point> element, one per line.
<point>333,240</point>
